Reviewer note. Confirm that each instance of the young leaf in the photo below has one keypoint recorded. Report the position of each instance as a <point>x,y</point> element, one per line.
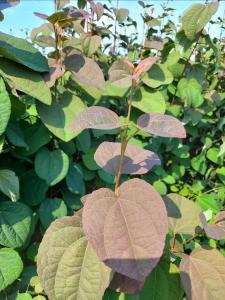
<point>144,66</point>
<point>124,284</point>
<point>96,117</point>
<point>183,214</point>
<point>5,107</point>
<point>120,73</point>
<point>15,224</point>
<point>67,265</point>
<point>213,231</point>
<point>136,160</point>
<point>58,117</point>
<point>56,71</point>
<point>11,266</point>
<point>51,166</point>
<point>108,218</point>
<point>9,184</point>
<point>161,125</point>
<point>203,273</point>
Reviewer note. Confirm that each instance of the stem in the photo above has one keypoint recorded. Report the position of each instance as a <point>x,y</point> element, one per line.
<point>188,240</point>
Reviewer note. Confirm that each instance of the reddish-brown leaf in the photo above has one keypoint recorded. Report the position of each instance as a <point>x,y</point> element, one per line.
<point>96,117</point>
<point>120,73</point>
<point>213,231</point>
<point>203,274</point>
<point>144,66</point>
<point>56,70</point>
<point>161,125</point>
<point>40,15</point>
<point>136,159</point>
<point>124,284</point>
<point>127,231</point>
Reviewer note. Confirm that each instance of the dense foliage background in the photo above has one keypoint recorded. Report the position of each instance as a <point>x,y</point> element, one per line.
<point>45,168</point>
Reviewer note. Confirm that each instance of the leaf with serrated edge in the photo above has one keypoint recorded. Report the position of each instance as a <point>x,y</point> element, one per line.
<point>96,117</point>
<point>183,214</point>
<point>213,231</point>
<point>136,159</point>
<point>161,125</point>
<point>203,274</point>
<point>125,219</point>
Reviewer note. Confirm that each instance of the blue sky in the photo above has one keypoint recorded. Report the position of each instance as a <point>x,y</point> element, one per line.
<point>21,17</point>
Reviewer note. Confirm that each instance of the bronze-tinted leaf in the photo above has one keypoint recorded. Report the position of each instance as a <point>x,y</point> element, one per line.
<point>120,73</point>
<point>183,214</point>
<point>203,274</point>
<point>124,284</point>
<point>127,231</point>
<point>136,159</point>
<point>144,66</point>
<point>96,117</point>
<point>213,231</point>
<point>56,70</point>
<point>161,125</point>
<point>40,15</point>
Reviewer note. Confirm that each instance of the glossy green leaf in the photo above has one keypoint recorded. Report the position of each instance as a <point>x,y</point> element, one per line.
<point>74,180</point>
<point>5,107</point>
<point>9,184</point>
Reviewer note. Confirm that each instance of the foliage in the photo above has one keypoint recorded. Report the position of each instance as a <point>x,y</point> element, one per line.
<point>76,125</point>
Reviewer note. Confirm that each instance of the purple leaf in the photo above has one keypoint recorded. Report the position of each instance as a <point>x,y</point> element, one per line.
<point>40,15</point>
<point>213,231</point>
<point>56,70</point>
<point>136,159</point>
<point>123,284</point>
<point>144,66</point>
<point>96,117</point>
<point>127,231</point>
<point>161,125</point>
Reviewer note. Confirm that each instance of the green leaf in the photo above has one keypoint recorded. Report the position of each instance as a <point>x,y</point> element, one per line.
<point>22,52</point>
<point>15,224</point>
<point>160,187</point>
<point>51,166</point>
<point>90,43</point>
<point>25,80</point>
<point>11,266</point>
<point>198,163</point>
<point>23,296</point>
<point>208,202</point>
<point>88,160</point>
<point>68,267</point>
<point>50,210</point>
<point>158,75</point>
<point>190,91</point>
<point>121,14</point>
<point>196,17</point>
<point>5,106</point>
<point>221,174</point>
<point>15,134</point>
<point>149,101</point>
<point>83,141</point>
<point>74,180</point>
<point>59,116</point>
<point>9,184</point>
<point>213,155</point>
<point>163,283</point>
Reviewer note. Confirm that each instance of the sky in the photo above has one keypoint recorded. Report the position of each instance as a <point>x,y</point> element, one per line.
<point>20,18</point>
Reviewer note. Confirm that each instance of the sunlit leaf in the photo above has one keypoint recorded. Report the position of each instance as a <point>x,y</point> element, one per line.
<point>213,231</point>
<point>144,66</point>
<point>9,184</point>
<point>124,218</point>
<point>161,125</point>
<point>120,73</point>
<point>158,75</point>
<point>136,160</point>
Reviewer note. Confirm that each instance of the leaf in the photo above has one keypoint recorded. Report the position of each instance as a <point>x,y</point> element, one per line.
<point>96,117</point>
<point>213,231</point>
<point>25,80</point>
<point>190,91</point>
<point>121,73</point>
<point>196,17</point>
<point>163,283</point>
<point>213,155</point>
<point>9,184</point>
<point>11,266</point>
<point>8,3</point>
<point>221,174</point>
<point>50,210</point>
<point>85,70</point>
<point>15,224</point>
<point>136,160</point>
<point>208,202</point>
<point>108,218</point>
<point>124,284</point>
<point>161,125</point>
<point>75,181</point>
<point>56,71</point>
<point>149,101</point>
<point>199,164</point>
<point>51,166</point>
<point>22,52</point>
<point>90,43</point>
<point>59,116</point>
<point>121,14</point>
<point>67,265</point>
<point>5,107</point>
<point>203,273</point>
<point>15,134</point>
<point>157,76</point>
<point>144,66</point>
<point>183,214</point>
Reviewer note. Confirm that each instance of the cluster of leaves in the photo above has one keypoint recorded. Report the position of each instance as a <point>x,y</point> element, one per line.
<point>76,124</point>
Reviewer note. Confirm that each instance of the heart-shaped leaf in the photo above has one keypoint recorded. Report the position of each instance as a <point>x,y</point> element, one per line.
<point>67,265</point>
<point>144,66</point>
<point>161,125</point>
<point>213,231</point>
<point>183,214</point>
<point>120,73</point>
<point>158,75</point>
<point>5,106</point>
<point>203,273</point>
<point>136,159</point>
<point>51,166</point>
<point>96,117</point>
<point>11,266</point>
<point>125,218</point>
